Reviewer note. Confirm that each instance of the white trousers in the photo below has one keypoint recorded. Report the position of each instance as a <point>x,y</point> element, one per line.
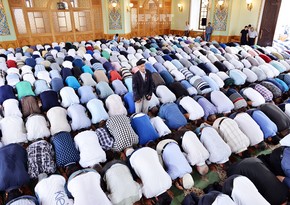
<point>142,106</point>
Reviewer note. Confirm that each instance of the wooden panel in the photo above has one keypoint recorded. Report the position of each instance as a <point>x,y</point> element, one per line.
<point>234,39</point>
<point>24,41</point>
<point>64,38</point>
<point>268,24</point>
<point>8,44</point>
<point>96,2</point>
<point>99,36</point>
<point>98,20</point>
<point>89,31</point>
<point>40,4</point>
<point>15,3</point>
<point>150,19</point>
<point>42,40</point>
<point>84,37</point>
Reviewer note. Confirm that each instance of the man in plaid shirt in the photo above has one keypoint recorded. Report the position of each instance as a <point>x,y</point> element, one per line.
<point>106,141</point>
<point>267,94</point>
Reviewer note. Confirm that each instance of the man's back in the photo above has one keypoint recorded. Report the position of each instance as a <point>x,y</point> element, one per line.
<point>266,182</point>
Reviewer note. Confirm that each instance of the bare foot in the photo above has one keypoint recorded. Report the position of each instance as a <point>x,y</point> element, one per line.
<point>281,178</point>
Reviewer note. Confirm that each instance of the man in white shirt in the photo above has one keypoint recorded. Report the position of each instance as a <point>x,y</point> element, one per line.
<point>254,98</point>
<point>221,101</point>
<point>250,128</point>
<point>243,191</point>
<point>155,180</point>
<point>91,153</point>
<point>13,130</point>
<point>68,97</point>
<point>79,118</point>
<point>115,105</point>
<point>37,127</point>
<point>85,186</point>
<point>230,132</point>
<point>194,110</point>
<point>57,117</point>
<point>160,126</point>
<point>117,176</point>
<point>164,94</point>
<point>195,152</point>
<point>51,191</point>
<point>11,108</point>
<point>219,151</point>
<point>252,34</point>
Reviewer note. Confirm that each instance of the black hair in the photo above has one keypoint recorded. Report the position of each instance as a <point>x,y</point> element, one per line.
<point>151,144</point>
<point>140,62</point>
<point>13,194</point>
<point>164,199</point>
<point>71,169</point>
<point>154,110</point>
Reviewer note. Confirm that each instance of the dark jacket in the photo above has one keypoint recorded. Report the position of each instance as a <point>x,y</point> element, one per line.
<point>265,181</point>
<point>142,88</point>
<point>276,115</point>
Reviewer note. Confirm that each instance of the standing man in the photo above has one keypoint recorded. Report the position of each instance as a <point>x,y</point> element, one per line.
<point>186,31</point>
<point>244,36</point>
<point>208,31</point>
<point>142,87</point>
<point>116,37</point>
<point>252,36</point>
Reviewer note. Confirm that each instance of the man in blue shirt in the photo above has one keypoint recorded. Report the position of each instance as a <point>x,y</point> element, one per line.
<point>268,127</point>
<point>141,124</point>
<point>173,117</point>
<point>176,164</point>
<point>208,31</point>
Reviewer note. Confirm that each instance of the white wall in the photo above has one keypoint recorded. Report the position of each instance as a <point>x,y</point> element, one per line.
<point>194,14</point>
<point>283,19</point>
<point>127,17</point>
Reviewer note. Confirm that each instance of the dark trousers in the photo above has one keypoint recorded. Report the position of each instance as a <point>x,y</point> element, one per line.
<point>251,41</point>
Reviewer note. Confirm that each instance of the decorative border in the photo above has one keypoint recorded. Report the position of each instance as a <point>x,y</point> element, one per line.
<point>115,15</point>
<point>220,16</point>
<point>4,26</point>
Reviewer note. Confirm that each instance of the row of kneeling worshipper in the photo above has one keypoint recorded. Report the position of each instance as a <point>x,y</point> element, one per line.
<point>71,133</point>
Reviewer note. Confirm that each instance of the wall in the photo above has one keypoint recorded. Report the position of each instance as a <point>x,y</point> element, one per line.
<point>240,16</point>
<point>125,15</point>
<point>194,14</point>
<point>213,10</point>
<point>283,23</point>
<point>12,36</point>
<point>106,9</point>
<point>179,18</point>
